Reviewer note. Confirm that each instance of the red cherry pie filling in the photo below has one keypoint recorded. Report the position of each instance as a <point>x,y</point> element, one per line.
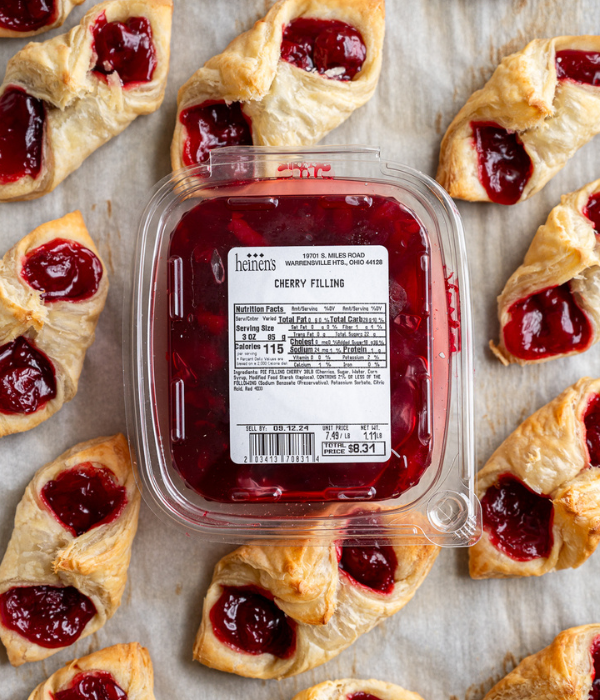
<point>22,119</point>
<point>362,696</point>
<point>326,46</point>
<point>595,652</point>
<point>63,271</point>
<point>126,48</point>
<point>579,66</point>
<point>371,566</point>
<point>26,15</point>
<point>546,324</point>
<point>504,167</point>
<point>96,685</point>
<point>247,620</point>
<point>27,379</point>
<point>84,497</point>
<point>592,211</point>
<point>213,125</point>
<point>591,421</point>
<point>518,520</point>
<point>46,615</point>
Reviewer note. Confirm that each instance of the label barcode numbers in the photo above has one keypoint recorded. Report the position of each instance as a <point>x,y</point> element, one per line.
<point>282,445</point>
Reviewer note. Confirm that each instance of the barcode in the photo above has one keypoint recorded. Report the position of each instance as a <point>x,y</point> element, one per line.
<point>282,445</point>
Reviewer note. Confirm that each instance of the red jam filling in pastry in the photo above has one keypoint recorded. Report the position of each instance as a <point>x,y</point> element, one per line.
<point>326,46</point>
<point>592,430</point>
<point>213,125</point>
<point>125,47</point>
<point>547,323</point>
<point>504,166</point>
<point>371,566</point>
<point>518,520</point>
<point>27,380</point>
<point>595,652</point>
<point>96,685</point>
<point>26,15</point>
<point>592,211</point>
<point>46,615</point>
<point>198,344</point>
<point>247,620</point>
<point>362,696</point>
<point>22,119</point>
<point>84,497</point>
<point>580,66</point>
<point>63,271</point>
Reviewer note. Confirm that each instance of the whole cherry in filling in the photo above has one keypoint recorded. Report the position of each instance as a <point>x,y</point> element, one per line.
<point>547,323</point>
<point>63,271</point>
<point>330,47</point>
<point>518,520</point>
<point>595,652</point>
<point>580,66</point>
<point>592,430</point>
<point>46,615</point>
<point>26,15</point>
<point>27,380</point>
<point>22,119</point>
<point>247,620</point>
<point>503,163</point>
<point>97,685</point>
<point>212,125</point>
<point>372,566</point>
<point>125,47</point>
<point>362,696</point>
<point>592,211</point>
<point>83,497</point>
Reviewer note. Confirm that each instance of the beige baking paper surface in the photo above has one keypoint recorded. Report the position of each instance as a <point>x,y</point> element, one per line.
<point>457,634</point>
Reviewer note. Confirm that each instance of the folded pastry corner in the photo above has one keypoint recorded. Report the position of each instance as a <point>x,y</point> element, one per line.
<point>355,689</point>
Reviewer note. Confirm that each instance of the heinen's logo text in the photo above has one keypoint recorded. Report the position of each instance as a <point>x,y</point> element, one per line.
<point>255,262</point>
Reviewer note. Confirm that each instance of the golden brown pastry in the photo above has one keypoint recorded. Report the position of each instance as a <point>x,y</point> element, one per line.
<point>550,307</point>
<point>568,669</point>
<point>313,602</point>
<point>540,490</point>
<point>21,19</point>
<point>53,285</point>
<point>349,688</point>
<point>65,567</point>
<point>73,93</point>
<point>255,92</point>
<point>512,136</point>
<point>126,666</point>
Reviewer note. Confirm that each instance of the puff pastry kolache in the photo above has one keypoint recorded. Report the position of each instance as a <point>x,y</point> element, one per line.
<point>30,18</point>
<point>351,689</point>
<point>47,321</point>
<point>512,136</point>
<point>267,90</point>
<point>123,667</point>
<point>540,490</point>
<point>312,607</point>
<point>74,92</point>
<point>65,567</point>
<point>568,669</point>
<point>550,307</point>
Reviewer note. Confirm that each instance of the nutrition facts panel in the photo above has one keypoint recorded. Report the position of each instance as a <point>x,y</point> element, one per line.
<point>309,377</point>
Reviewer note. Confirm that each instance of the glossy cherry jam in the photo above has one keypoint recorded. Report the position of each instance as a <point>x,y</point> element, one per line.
<point>63,271</point>
<point>84,497</point>
<point>27,379</point>
<point>595,652</point>
<point>592,430</point>
<point>246,619</point>
<point>26,15</point>
<point>97,685</point>
<point>518,520</point>
<point>547,323</point>
<point>580,66</point>
<point>22,119</point>
<point>503,163</point>
<point>329,47</point>
<point>213,125</point>
<point>362,696</point>
<point>125,47</point>
<point>46,615</point>
<point>592,211</point>
<point>371,566</point>
<point>199,356</point>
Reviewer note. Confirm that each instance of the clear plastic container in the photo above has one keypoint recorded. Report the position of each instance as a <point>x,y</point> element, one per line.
<point>298,351</point>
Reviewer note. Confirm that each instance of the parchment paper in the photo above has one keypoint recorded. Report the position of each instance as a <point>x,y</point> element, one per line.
<point>457,634</point>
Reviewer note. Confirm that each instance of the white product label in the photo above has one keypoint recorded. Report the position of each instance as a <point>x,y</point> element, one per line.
<point>309,354</point>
